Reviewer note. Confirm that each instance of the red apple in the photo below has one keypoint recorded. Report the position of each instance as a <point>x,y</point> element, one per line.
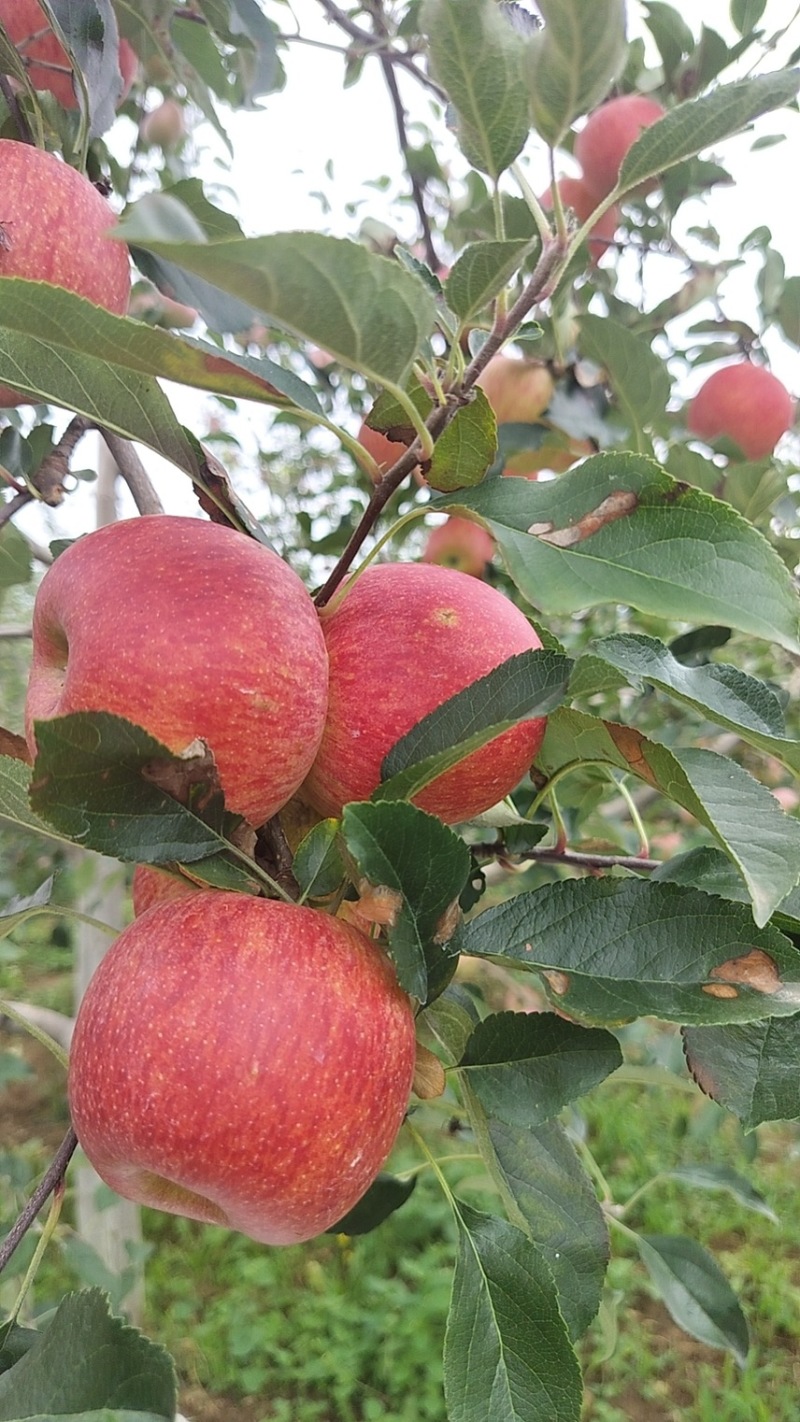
<point>460,543</point>
<point>745,402</point>
<point>191,630</point>
<point>609,132</point>
<point>557,453</point>
<point>46,59</point>
<point>518,391</point>
<point>405,638</point>
<point>54,226</point>
<point>165,125</point>
<point>152,885</point>
<point>243,1062</point>
<point>384,451</point>
<point>575,194</point>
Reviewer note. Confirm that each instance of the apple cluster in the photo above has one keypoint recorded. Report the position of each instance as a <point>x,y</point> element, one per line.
<point>244,1060</point>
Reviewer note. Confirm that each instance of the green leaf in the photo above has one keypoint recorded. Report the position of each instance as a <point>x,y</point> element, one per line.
<point>15,910</point>
<point>507,1356</point>
<point>480,272</point>
<point>611,950</point>
<point>721,1177</point>
<point>119,354</point>
<point>527,685</point>
<point>746,14</point>
<point>638,377</point>
<point>744,818</point>
<point>318,866</point>
<point>447,1023</point>
<point>88,783</point>
<point>385,1195</point>
<point>701,123</point>
<point>788,312</point>
<point>714,873</point>
<point>548,1195</point>
<point>15,558</point>
<point>106,1415</point>
<point>620,529</point>
<point>720,691</point>
<point>15,780</point>
<point>424,866</point>
<point>696,1293</point>
<point>752,1069</point>
<point>467,447</point>
<point>524,1067</point>
<point>573,61</point>
<point>57,346</point>
<point>369,312</point>
<point>476,55</point>
<point>87,1360</point>
<point>671,34</point>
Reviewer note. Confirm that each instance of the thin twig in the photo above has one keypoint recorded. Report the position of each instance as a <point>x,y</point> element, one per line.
<point>13,634</point>
<point>50,1181</point>
<point>48,483</point>
<point>18,502</point>
<point>574,858</point>
<point>417,189</point>
<point>133,472</point>
<point>368,45</point>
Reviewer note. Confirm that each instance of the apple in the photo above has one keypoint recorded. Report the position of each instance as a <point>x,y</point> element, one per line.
<point>165,125</point>
<point>745,402</point>
<point>608,133</point>
<point>557,453</point>
<point>460,543</point>
<point>518,391</point>
<point>189,629</point>
<point>47,62</point>
<point>243,1062</point>
<point>406,637</point>
<point>54,229</point>
<point>152,885</point>
<point>575,194</point>
<point>384,451</point>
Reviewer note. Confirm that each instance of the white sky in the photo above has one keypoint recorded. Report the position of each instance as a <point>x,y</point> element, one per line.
<point>281,153</point>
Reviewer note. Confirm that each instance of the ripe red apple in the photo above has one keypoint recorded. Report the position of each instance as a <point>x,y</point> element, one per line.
<point>745,402</point>
<point>54,226</point>
<point>575,194</point>
<point>165,125</point>
<point>243,1062</point>
<point>47,62</point>
<point>191,630</point>
<point>460,543</point>
<point>609,132</point>
<point>518,391</point>
<point>152,885</point>
<point>405,638</point>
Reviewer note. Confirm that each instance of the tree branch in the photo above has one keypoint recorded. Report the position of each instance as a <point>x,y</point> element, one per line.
<point>48,481</point>
<point>133,472</point>
<point>573,858</point>
<point>50,1182</point>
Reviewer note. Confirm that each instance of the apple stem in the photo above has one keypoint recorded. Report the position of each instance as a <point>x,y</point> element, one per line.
<point>51,1181</point>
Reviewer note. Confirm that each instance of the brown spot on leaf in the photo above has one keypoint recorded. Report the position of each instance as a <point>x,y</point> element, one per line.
<point>429,1078</point>
<point>617,505</point>
<point>378,903</point>
<point>629,743</point>
<point>558,982</point>
<point>754,970</point>
<point>14,746</point>
<point>448,923</point>
<point>190,778</point>
<point>720,990</point>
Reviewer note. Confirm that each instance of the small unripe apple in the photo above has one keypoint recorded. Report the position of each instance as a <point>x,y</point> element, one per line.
<point>191,630</point>
<point>54,229</point>
<point>460,543</point>
<point>745,402</point>
<point>405,638</point>
<point>575,194</point>
<point>165,125</point>
<point>519,391</point>
<point>609,132</point>
<point>243,1062</point>
<point>46,60</point>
